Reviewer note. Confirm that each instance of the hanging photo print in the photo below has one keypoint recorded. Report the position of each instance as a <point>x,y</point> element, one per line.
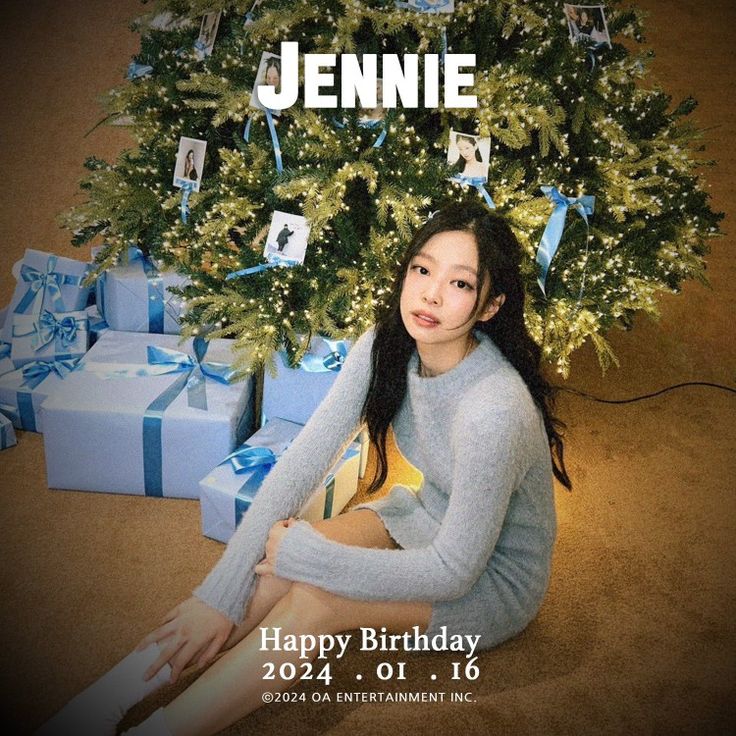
<point>372,115</point>
<point>207,33</point>
<point>587,23</point>
<point>470,154</point>
<point>269,72</point>
<point>189,163</point>
<point>286,241</point>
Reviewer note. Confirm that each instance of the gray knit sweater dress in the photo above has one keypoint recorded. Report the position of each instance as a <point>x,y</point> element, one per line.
<point>476,533</point>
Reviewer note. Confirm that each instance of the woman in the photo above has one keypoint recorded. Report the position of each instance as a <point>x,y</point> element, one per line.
<point>189,171</point>
<point>448,384</point>
<point>469,164</point>
<point>272,74</point>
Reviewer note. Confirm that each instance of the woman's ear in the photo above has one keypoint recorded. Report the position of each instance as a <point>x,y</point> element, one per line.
<point>493,306</point>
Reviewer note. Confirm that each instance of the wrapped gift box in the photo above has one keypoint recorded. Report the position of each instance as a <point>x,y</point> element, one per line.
<point>7,433</point>
<point>49,336</point>
<point>122,424</point>
<point>135,296</point>
<point>96,324</point>
<point>228,491</point>
<point>47,281</point>
<point>24,390</point>
<point>295,393</point>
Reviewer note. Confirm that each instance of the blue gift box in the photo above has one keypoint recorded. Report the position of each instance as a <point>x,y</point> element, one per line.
<point>7,433</point>
<point>295,393</point>
<point>46,281</point>
<point>96,324</point>
<point>145,415</point>
<point>49,336</point>
<point>135,296</point>
<point>229,489</point>
<point>24,390</point>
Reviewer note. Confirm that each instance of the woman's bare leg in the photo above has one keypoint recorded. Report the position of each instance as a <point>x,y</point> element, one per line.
<point>233,686</point>
<point>361,528</point>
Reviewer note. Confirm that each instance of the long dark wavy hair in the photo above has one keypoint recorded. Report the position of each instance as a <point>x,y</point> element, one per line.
<point>499,256</point>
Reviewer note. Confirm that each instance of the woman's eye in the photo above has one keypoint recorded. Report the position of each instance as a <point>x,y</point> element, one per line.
<point>465,284</point>
<point>421,268</point>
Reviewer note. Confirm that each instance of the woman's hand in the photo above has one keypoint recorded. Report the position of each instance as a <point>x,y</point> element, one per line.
<point>190,633</point>
<point>267,566</point>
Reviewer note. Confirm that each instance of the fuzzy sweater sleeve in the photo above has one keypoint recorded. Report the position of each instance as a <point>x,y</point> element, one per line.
<point>297,474</point>
<point>491,460</point>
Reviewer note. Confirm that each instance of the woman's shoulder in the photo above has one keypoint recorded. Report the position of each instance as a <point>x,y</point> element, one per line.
<point>497,390</point>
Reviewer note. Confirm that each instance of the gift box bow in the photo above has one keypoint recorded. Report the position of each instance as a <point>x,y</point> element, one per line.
<point>49,282</point>
<point>333,361</point>
<point>49,327</point>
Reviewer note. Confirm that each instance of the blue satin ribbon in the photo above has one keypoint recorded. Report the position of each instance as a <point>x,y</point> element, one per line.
<point>4,350</point>
<point>136,70</point>
<point>195,372</point>
<point>274,138</point>
<point>372,125</point>
<point>258,461</point>
<point>275,141</point>
<point>274,260</point>
<point>48,328</point>
<point>39,370</point>
<point>553,231</point>
<point>332,362</point>
<point>187,188</point>
<point>7,436</point>
<point>477,182</point>
<point>48,283</point>
<point>33,374</point>
<point>155,291</point>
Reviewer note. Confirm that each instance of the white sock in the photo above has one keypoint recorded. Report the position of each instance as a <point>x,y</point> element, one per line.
<point>97,710</point>
<point>154,725</point>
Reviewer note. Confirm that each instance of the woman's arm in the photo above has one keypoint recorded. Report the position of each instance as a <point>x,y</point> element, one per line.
<point>297,474</point>
<point>492,457</point>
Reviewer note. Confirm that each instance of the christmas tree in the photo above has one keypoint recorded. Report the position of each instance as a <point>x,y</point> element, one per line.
<point>559,105</point>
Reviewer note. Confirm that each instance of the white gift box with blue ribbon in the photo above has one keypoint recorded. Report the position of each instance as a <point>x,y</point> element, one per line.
<point>7,433</point>
<point>229,489</point>
<point>46,281</point>
<point>96,324</point>
<point>23,391</point>
<point>295,393</point>
<point>49,336</point>
<point>145,415</point>
<point>135,297</point>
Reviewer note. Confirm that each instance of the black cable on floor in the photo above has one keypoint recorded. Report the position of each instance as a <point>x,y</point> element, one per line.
<point>645,396</point>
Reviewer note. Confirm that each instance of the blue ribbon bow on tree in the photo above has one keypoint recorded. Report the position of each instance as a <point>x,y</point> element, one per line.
<point>552,235</point>
<point>333,361</point>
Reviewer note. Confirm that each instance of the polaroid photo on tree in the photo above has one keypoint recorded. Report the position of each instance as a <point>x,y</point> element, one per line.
<point>207,34</point>
<point>428,6</point>
<point>287,237</point>
<point>189,162</point>
<point>269,72</point>
<point>470,155</point>
<point>587,24</point>
<point>372,115</point>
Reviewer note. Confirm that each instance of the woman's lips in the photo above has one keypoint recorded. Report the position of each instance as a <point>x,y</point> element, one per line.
<point>424,321</point>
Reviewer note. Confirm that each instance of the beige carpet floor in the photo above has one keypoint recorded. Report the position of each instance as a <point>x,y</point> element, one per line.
<point>637,633</point>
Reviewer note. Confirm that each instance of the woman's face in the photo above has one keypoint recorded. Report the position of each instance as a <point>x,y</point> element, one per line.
<point>441,281</point>
<point>190,157</point>
<point>584,18</point>
<point>466,148</point>
<point>272,76</point>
